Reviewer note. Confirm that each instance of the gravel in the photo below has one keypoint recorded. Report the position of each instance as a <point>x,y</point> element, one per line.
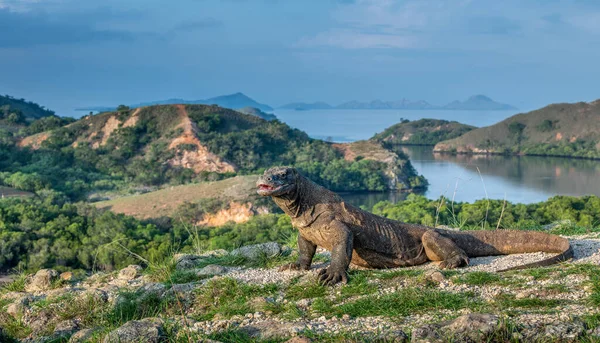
<point>586,250</point>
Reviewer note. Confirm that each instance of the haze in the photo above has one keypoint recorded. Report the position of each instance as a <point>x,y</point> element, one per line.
<point>71,53</point>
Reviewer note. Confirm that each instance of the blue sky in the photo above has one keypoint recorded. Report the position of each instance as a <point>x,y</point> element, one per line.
<point>69,53</point>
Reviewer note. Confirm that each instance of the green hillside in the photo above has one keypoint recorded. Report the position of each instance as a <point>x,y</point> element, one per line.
<point>176,144</point>
<point>556,130</point>
<point>422,132</point>
<point>29,110</point>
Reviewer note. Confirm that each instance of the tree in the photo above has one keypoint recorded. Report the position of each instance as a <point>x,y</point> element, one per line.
<point>123,109</point>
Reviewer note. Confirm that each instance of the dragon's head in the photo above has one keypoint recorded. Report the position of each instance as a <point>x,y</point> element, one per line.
<point>277,181</point>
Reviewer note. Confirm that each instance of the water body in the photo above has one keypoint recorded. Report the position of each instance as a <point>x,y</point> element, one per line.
<point>354,125</point>
<point>526,179</point>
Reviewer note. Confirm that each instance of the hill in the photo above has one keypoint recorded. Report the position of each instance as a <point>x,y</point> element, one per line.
<point>256,112</point>
<point>237,100</point>
<point>177,144</point>
<point>478,103</point>
<point>28,109</point>
<point>422,132</point>
<point>555,130</point>
<point>303,106</point>
<point>232,101</point>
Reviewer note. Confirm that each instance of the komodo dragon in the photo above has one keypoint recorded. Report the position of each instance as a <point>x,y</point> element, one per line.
<point>364,239</point>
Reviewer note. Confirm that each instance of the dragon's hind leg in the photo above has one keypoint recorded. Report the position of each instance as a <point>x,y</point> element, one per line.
<point>440,248</point>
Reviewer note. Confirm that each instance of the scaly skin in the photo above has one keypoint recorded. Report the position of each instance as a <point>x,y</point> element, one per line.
<point>364,239</point>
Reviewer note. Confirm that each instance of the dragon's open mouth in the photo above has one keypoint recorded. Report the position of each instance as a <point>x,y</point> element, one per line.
<point>264,187</point>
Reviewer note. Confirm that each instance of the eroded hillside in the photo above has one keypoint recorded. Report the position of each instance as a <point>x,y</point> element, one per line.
<point>176,144</point>
<point>555,130</point>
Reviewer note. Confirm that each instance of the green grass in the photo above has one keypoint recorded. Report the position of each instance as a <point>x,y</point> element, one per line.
<point>478,278</point>
<point>13,328</point>
<point>238,336</point>
<point>595,296</point>
<point>401,303</point>
<point>228,297</point>
<point>557,288</point>
<point>308,290</point>
<point>506,301</point>
<point>16,285</point>
<point>537,273</point>
<point>359,285</point>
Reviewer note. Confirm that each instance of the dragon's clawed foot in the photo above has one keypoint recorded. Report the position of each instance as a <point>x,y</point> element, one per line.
<point>330,277</point>
<point>293,266</point>
<point>455,262</point>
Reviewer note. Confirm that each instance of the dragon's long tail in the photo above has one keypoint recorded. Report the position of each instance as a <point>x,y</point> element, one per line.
<point>504,242</point>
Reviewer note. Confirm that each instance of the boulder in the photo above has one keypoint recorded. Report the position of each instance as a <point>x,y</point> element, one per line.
<point>153,288</point>
<point>66,327</point>
<point>190,261</point>
<point>130,272</point>
<point>42,280</point>
<point>67,276</point>
<point>554,332</point>
<point>434,276</point>
<point>212,269</point>
<point>474,327</point>
<point>187,261</point>
<point>38,322</point>
<point>19,305</point>
<point>255,251</point>
<point>93,294</point>
<point>395,336</point>
<point>214,253</point>
<point>149,330</point>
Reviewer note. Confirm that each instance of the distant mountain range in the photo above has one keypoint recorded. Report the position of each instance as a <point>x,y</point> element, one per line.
<point>240,100</point>
<point>476,102</point>
<point>233,101</point>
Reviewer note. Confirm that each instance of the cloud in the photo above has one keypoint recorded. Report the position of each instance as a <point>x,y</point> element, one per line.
<point>366,24</point>
<point>23,29</point>
<point>24,5</point>
<point>589,22</point>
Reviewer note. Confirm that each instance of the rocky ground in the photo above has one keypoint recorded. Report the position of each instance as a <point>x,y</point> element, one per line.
<point>240,296</point>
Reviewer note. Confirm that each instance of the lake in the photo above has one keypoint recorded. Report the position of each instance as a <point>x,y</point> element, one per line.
<point>525,179</point>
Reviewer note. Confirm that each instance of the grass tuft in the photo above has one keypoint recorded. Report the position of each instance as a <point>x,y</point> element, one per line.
<point>16,285</point>
<point>401,303</point>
